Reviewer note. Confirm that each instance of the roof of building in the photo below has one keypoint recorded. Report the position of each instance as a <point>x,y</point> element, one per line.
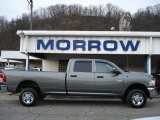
<point>88,33</point>
<point>11,61</point>
<point>15,55</point>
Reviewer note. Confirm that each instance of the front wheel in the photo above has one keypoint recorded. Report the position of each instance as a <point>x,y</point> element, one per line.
<point>136,98</point>
<point>28,97</point>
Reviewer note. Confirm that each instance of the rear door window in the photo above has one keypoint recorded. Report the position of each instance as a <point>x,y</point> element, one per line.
<point>83,66</point>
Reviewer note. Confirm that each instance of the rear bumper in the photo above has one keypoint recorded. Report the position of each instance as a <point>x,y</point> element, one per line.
<point>3,88</point>
<point>153,92</point>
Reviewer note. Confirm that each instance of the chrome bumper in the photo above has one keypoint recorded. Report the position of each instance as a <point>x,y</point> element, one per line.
<point>3,88</point>
<point>153,92</point>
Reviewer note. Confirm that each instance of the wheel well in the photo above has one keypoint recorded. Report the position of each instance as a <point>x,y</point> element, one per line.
<point>28,83</point>
<point>137,86</point>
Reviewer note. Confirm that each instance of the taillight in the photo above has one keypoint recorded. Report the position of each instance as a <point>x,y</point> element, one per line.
<point>3,76</point>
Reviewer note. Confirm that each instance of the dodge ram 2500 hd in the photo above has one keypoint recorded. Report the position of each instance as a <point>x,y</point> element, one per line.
<point>83,77</point>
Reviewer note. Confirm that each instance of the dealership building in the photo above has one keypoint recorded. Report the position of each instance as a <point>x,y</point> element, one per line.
<point>132,51</point>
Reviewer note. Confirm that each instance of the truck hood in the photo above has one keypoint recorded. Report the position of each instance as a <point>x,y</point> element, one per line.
<point>139,74</point>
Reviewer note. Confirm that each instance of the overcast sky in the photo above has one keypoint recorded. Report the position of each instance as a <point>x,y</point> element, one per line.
<point>14,8</point>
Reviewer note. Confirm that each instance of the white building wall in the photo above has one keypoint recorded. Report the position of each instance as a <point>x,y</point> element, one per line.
<point>50,65</point>
<point>149,41</point>
<point>30,45</point>
<point>155,46</point>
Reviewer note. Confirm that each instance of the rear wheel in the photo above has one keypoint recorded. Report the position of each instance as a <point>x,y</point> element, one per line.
<point>42,96</point>
<point>28,97</point>
<point>136,98</point>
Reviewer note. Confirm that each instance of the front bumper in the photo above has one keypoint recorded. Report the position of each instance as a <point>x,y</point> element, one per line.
<point>152,92</point>
<point>3,88</point>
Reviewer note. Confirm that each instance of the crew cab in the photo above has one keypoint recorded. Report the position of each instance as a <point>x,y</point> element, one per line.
<point>91,77</point>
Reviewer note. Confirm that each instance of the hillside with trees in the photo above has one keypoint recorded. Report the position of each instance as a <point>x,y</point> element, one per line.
<point>76,17</point>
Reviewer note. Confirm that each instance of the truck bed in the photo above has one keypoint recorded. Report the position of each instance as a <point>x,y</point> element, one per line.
<point>47,81</point>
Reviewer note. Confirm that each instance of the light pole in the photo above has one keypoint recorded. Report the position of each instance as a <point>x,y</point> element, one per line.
<point>30,3</point>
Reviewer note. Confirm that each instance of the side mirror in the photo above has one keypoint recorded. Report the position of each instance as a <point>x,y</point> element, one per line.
<point>115,71</point>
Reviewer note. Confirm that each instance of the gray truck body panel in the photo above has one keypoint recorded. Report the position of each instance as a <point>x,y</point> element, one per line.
<point>80,83</point>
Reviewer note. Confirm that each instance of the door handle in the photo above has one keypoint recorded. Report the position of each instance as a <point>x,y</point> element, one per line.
<point>100,77</point>
<point>73,76</point>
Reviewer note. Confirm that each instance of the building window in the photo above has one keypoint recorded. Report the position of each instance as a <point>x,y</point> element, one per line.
<point>62,65</point>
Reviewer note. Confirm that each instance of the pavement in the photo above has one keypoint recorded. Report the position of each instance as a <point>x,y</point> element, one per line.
<point>60,108</point>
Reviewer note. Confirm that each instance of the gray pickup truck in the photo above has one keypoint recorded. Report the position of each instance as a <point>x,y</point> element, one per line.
<point>91,77</point>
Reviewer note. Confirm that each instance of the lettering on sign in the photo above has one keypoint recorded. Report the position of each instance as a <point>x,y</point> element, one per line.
<point>106,45</point>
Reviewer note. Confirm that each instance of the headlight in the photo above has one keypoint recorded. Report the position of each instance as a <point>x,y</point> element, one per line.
<point>152,83</point>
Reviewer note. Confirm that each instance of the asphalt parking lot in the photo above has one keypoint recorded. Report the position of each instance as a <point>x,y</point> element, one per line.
<point>58,108</point>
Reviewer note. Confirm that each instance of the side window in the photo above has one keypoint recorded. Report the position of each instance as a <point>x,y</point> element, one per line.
<point>103,67</point>
<point>83,66</point>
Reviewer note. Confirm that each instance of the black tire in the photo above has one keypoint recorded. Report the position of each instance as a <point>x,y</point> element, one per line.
<point>29,100</point>
<point>42,96</point>
<point>124,99</point>
<point>136,98</point>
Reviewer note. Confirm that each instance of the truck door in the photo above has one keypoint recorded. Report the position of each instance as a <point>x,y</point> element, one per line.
<point>106,82</point>
<point>80,79</point>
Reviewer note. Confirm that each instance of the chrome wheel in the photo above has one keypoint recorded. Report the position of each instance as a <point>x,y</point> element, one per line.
<point>28,97</point>
<point>137,99</point>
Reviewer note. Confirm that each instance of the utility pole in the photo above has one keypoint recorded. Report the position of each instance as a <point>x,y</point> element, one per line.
<point>31,13</point>
<point>30,3</point>
<point>30,7</point>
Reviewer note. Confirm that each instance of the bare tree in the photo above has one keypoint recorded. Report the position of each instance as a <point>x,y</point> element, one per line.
<point>3,23</point>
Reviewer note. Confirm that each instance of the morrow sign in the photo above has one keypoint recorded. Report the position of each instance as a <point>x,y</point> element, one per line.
<point>87,45</point>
